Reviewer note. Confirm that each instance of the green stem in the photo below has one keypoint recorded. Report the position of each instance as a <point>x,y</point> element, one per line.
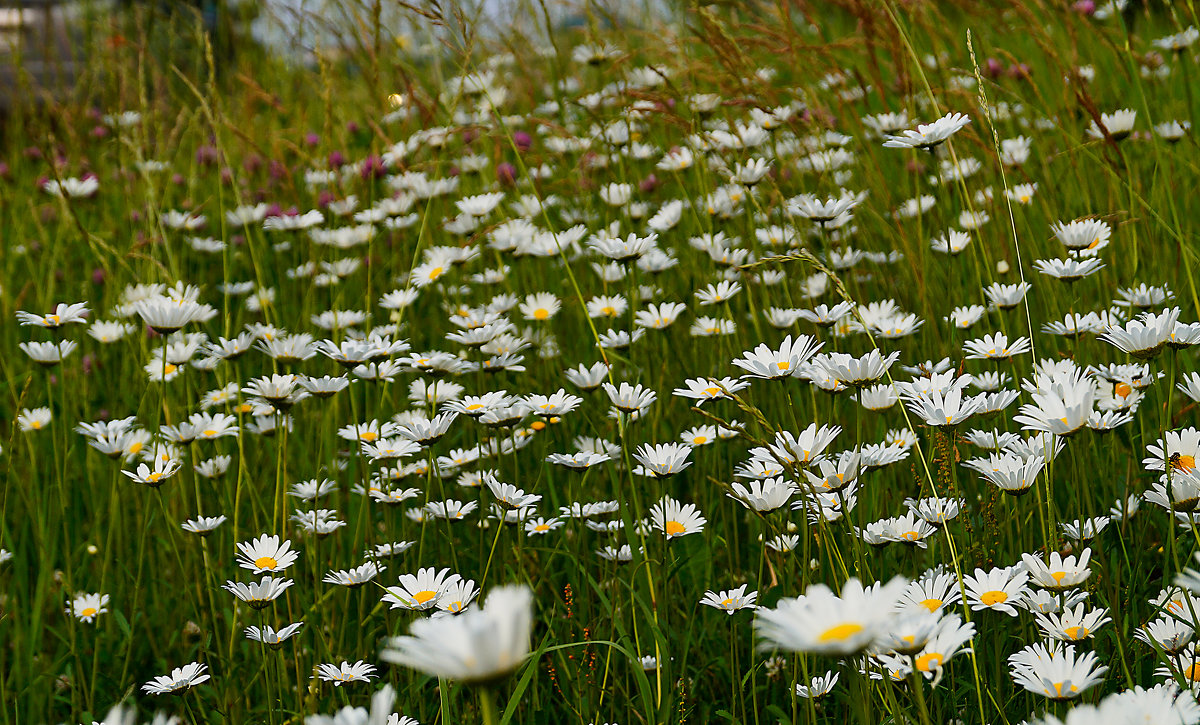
<point>487,706</point>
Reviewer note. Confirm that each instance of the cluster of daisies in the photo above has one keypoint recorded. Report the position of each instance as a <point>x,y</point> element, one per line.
<point>439,350</point>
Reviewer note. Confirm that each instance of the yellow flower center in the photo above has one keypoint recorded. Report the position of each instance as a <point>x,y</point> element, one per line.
<point>1076,633</point>
<point>265,562</point>
<point>88,612</point>
<point>475,406</point>
<point>840,632</point>
<point>53,320</point>
<point>1058,693</point>
<point>1192,672</point>
<point>700,440</point>
<point>910,536</point>
<point>368,436</point>
<point>541,528</point>
<point>1058,576</point>
<point>537,425</point>
<point>154,476</point>
<point>712,390</point>
<point>784,365</point>
<point>424,596</point>
<point>608,311</point>
<point>1183,463</point>
<point>35,424</point>
<point>435,273</point>
<point>210,433</point>
<point>674,528</point>
<point>541,313</point>
<point>134,448</point>
<point>1122,389</point>
<point>993,597</point>
<point>169,368</point>
<point>726,603</point>
<point>929,661</point>
<point>932,604</point>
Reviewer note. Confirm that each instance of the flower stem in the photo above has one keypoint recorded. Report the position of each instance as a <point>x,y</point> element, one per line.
<point>487,706</point>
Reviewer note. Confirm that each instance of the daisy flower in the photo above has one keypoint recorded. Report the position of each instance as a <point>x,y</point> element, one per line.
<point>540,526</point>
<point>1145,337</point>
<point>1167,633</point>
<point>821,622</point>
<point>763,495</point>
<point>1068,270</point>
<point>857,372</point>
<point>1006,296</point>
<point>63,314</point>
<point>558,403</point>
<point>951,634</point>
<point>480,645</point>
<point>355,577</point>
<point>928,135</point>
<point>933,590</point>
<point>540,307</point>
<point>952,243</point>
<point>718,293</point>
<point>1063,409</point>
<point>1083,531</point>
<point>86,607</point>
<point>30,419</point>
<point>774,364</point>
<point>730,600</point>
<point>271,637</point>
<point>663,459</point>
<point>659,316</point>
<point>345,673</point>
<point>456,597</point>
<point>203,525</point>
<point>181,678</point>
<point>1061,573</point>
<point>1011,473</point>
<point>1022,193</point>
<point>1054,671</point>
<point>1072,625</point>
<point>823,211</point>
<point>420,591</point>
<point>703,390</point>
<point>820,686</point>
<point>940,409</point>
<point>1118,125</point>
<point>48,354</point>
<point>630,398</point>
<point>676,519</point>
<point>1082,234</point>
<point>1177,450</point>
<point>995,347</point>
<point>998,590</point>
<point>163,469</point>
<point>258,594</point>
<point>266,553</point>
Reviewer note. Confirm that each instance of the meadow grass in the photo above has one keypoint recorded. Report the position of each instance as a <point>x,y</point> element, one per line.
<point>183,181</point>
